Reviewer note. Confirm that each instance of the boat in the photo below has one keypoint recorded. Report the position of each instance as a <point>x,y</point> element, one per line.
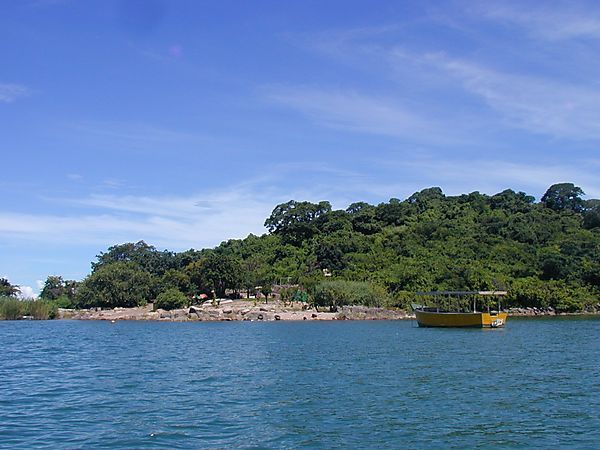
<point>448,313</point>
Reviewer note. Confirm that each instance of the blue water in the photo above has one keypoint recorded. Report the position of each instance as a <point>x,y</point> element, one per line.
<point>71,384</point>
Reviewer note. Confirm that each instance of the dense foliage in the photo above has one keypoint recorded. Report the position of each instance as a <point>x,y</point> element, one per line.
<point>546,254</point>
<point>13,309</point>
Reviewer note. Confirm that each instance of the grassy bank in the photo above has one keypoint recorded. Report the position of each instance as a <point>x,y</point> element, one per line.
<point>14,309</point>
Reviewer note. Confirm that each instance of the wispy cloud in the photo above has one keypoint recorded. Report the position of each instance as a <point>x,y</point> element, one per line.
<point>533,103</point>
<point>348,110</point>
<point>165,222</point>
<point>131,131</point>
<point>445,90</point>
<point>10,92</point>
<point>175,222</point>
<point>553,21</point>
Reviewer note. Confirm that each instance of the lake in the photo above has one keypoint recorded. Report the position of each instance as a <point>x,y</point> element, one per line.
<point>77,384</point>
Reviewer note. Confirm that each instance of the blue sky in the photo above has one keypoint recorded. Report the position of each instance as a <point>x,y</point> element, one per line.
<point>183,123</point>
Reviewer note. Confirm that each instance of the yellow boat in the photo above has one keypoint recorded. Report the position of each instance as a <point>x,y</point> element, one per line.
<point>444,317</point>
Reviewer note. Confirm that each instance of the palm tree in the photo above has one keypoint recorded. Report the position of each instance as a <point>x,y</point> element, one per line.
<point>7,289</point>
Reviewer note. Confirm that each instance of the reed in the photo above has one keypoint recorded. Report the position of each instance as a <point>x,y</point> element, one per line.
<point>14,309</point>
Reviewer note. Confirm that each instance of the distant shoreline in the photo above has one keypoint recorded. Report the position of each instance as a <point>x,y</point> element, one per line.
<point>242,310</point>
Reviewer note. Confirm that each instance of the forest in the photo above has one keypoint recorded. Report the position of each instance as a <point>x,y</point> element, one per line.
<point>546,254</point>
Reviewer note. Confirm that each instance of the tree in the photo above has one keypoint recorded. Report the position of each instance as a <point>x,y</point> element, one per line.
<point>266,289</point>
<point>146,256</point>
<point>296,221</point>
<point>564,196</point>
<point>512,201</point>
<point>177,279</point>
<point>394,212</point>
<point>215,272</point>
<point>426,198</point>
<point>363,218</point>
<point>122,284</point>
<point>7,289</point>
<point>54,287</point>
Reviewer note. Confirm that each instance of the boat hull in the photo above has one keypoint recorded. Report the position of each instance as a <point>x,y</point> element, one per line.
<point>456,319</point>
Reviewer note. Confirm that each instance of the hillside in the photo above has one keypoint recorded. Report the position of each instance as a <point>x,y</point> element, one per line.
<point>545,253</point>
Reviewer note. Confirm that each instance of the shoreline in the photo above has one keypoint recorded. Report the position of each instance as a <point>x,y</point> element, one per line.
<point>242,310</point>
<point>238,310</point>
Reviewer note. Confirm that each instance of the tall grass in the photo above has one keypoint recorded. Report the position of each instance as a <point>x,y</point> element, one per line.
<point>14,309</point>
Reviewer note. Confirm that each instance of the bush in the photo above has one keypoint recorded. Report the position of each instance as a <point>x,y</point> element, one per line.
<point>534,293</point>
<point>172,298</point>
<point>340,292</point>
<point>64,302</point>
<point>404,299</point>
<point>40,310</point>
<point>13,309</point>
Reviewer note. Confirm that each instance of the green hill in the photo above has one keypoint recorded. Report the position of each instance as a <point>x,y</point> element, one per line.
<point>546,254</point>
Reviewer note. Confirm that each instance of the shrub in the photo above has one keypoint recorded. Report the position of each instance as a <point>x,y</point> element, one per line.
<point>10,308</point>
<point>172,298</point>
<point>13,309</point>
<point>64,302</point>
<point>340,292</point>
<point>40,310</point>
<point>534,293</point>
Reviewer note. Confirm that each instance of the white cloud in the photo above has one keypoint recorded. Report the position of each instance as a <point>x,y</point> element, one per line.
<point>27,293</point>
<point>10,92</point>
<point>168,222</point>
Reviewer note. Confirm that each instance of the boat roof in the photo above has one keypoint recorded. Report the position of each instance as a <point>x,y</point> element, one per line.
<point>458,293</point>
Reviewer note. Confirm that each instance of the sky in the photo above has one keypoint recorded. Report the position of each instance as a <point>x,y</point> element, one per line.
<point>183,123</point>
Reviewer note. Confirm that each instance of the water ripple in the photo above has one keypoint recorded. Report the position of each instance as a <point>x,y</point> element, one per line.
<point>298,385</point>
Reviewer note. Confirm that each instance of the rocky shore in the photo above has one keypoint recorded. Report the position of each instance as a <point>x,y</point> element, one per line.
<point>237,310</point>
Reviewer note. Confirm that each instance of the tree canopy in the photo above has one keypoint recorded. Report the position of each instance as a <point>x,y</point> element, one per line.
<point>564,196</point>
<point>430,241</point>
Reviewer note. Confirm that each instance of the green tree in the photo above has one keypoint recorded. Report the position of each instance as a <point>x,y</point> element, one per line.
<point>54,287</point>
<point>363,217</point>
<point>118,284</point>
<point>215,272</point>
<point>144,255</point>
<point>564,196</point>
<point>266,289</point>
<point>296,221</point>
<point>7,289</point>
<point>512,201</point>
<point>177,279</point>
